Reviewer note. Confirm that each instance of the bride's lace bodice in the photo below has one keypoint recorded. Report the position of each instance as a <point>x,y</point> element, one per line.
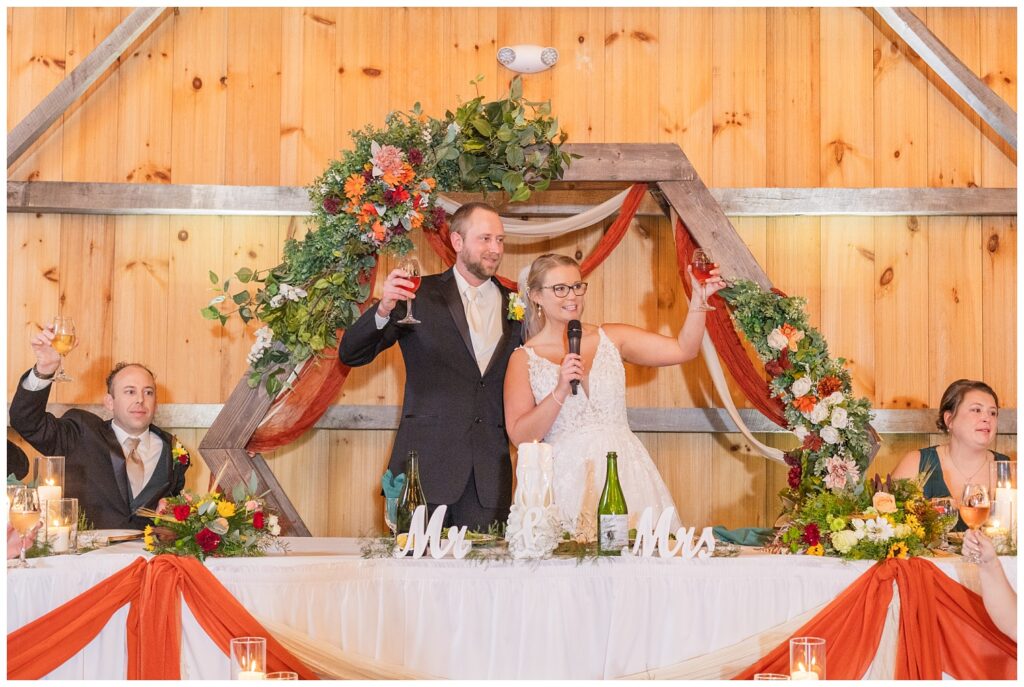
<point>606,405</point>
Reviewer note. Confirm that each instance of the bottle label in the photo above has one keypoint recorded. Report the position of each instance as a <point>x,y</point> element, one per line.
<point>613,532</point>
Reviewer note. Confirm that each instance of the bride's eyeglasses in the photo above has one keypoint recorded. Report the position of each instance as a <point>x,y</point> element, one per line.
<point>562,290</point>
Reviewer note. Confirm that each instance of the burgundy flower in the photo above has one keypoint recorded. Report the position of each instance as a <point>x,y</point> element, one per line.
<point>331,205</point>
<point>794,477</point>
<point>257,520</point>
<point>415,156</point>
<point>207,540</point>
<point>779,365</point>
<point>368,175</point>
<point>792,459</point>
<point>812,537</point>
<point>438,217</point>
<point>812,442</point>
<point>181,513</point>
<point>395,196</point>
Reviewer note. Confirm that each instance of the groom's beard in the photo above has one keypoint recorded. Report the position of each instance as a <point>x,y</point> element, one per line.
<point>480,269</point>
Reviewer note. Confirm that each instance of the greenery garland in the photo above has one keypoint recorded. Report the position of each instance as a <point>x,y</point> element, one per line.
<point>368,201</point>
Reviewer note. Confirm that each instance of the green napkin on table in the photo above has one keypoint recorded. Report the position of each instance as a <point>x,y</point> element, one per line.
<point>744,536</point>
<point>392,484</point>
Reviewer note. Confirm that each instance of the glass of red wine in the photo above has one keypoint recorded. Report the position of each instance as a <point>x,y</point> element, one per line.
<point>702,265</point>
<point>411,266</point>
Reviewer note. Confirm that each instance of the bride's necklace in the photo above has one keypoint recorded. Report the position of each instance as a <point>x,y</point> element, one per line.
<point>967,480</point>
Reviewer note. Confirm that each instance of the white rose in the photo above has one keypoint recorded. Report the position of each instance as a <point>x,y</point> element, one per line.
<point>801,432</point>
<point>844,540</point>
<point>835,398</point>
<point>840,419</point>
<point>819,413</point>
<point>801,387</point>
<point>778,340</point>
<point>276,301</point>
<point>830,435</point>
<point>272,525</point>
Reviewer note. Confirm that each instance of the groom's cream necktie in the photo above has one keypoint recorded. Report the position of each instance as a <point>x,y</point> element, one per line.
<point>481,334</point>
<point>133,464</point>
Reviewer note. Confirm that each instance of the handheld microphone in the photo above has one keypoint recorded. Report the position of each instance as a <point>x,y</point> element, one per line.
<point>575,336</point>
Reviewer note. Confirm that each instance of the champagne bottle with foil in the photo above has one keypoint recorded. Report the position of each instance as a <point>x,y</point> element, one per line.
<point>412,494</point>
<point>612,514</point>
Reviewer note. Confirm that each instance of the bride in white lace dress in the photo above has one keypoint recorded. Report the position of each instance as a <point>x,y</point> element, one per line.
<point>582,428</point>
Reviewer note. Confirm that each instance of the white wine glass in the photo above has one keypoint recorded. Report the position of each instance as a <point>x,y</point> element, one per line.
<point>63,342</point>
<point>23,516</point>
<point>974,509</point>
<point>411,266</point>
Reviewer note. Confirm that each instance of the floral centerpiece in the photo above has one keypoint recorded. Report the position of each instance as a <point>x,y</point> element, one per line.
<point>212,525</point>
<point>367,202</point>
<point>889,519</point>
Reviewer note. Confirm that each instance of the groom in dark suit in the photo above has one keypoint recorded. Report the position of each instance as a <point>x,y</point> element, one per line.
<point>112,467</point>
<point>455,359</point>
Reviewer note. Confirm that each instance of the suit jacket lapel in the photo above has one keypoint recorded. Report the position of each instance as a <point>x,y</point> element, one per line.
<point>450,290</point>
<point>118,472</point>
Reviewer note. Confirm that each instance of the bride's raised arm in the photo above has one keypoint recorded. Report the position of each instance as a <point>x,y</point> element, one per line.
<point>525,419</point>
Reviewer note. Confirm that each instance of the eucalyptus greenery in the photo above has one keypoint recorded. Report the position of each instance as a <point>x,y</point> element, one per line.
<point>361,210</point>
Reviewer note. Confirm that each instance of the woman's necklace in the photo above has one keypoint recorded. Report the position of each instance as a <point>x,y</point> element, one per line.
<point>967,480</point>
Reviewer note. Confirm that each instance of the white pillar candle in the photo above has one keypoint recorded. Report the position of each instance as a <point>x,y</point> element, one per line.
<point>251,675</point>
<point>49,491</point>
<point>1005,506</point>
<point>804,675</point>
<point>59,537</point>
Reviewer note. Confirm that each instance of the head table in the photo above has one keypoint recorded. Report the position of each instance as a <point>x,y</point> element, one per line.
<point>469,619</point>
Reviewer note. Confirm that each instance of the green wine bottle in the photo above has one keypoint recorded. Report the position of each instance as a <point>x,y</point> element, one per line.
<point>612,515</point>
<point>411,496</point>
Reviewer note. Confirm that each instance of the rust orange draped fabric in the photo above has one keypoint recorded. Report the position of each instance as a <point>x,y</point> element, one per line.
<point>727,341</point>
<point>943,628</point>
<point>441,244</point>
<point>154,590</point>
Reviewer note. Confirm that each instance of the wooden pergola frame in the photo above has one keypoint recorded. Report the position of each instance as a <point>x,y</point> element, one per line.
<point>676,189</point>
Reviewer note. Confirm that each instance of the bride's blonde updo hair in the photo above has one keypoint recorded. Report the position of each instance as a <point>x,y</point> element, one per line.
<point>530,280</point>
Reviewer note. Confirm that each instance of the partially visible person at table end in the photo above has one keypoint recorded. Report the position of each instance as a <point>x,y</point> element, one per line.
<point>999,597</point>
<point>968,416</point>
<point>17,461</point>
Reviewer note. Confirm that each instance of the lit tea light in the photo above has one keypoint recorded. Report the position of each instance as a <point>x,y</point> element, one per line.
<point>252,674</point>
<point>59,537</point>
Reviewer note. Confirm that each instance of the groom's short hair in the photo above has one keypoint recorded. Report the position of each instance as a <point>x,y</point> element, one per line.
<point>460,220</point>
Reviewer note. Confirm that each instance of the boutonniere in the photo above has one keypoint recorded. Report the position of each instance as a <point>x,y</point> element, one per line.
<point>516,307</point>
<point>179,452</point>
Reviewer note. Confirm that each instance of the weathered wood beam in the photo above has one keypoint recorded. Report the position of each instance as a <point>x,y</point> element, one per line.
<point>624,162</point>
<point>955,73</point>
<point>78,81</point>
<point>90,198</point>
<point>224,444</point>
<point>710,228</point>
<point>686,420</point>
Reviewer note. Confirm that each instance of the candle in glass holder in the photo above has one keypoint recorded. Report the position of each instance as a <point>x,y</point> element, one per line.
<point>49,491</point>
<point>61,524</point>
<point>249,658</point>
<point>807,658</point>
<point>59,537</point>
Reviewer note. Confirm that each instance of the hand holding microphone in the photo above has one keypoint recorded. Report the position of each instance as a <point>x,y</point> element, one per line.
<point>575,335</point>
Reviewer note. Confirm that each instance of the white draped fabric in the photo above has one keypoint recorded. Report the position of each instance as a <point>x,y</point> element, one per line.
<point>551,228</point>
<point>350,617</point>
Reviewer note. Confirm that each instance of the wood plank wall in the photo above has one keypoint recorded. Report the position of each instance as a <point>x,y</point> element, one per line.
<point>755,96</point>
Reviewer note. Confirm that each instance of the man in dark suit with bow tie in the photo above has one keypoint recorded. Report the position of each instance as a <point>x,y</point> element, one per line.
<point>455,359</point>
<point>112,467</point>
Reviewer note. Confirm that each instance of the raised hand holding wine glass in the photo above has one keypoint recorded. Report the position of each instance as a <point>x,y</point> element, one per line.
<point>63,341</point>
<point>410,265</point>
<point>705,272</point>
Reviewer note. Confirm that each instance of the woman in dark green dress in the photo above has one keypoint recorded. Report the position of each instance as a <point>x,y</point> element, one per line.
<point>968,415</point>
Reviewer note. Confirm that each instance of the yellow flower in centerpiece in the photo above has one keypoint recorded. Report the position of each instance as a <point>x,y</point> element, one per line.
<point>915,525</point>
<point>897,550</point>
<point>225,509</point>
<point>816,550</point>
<point>147,538</point>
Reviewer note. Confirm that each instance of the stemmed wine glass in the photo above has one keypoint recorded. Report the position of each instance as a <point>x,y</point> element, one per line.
<point>974,508</point>
<point>63,342</point>
<point>945,506</point>
<point>24,515</point>
<point>411,266</point>
<point>391,513</point>
<point>702,265</point>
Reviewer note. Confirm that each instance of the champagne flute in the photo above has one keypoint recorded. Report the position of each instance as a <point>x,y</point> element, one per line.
<point>63,342</point>
<point>945,506</point>
<point>24,515</point>
<point>391,513</point>
<point>974,508</point>
<point>411,266</point>
<point>702,265</point>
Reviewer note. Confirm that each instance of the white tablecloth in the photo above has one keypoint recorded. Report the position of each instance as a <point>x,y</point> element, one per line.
<point>465,619</point>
